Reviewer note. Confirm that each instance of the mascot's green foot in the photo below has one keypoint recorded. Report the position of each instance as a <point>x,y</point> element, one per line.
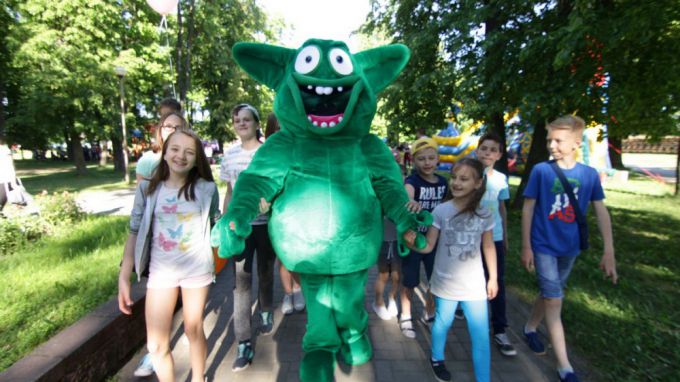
<point>317,366</point>
<point>357,352</point>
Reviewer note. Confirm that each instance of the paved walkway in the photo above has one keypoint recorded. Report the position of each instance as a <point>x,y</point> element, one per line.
<point>396,358</point>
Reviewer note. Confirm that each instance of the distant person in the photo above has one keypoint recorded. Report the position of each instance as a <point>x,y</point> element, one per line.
<point>7,174</point>
<point>168,124</point>
<point>293,299</point>
<point>427,188</point>
<point>489,150</point>
<point>272,125</point>
<point>460,228</point>
<point>172,241</point>
<point>389,268</point>
<point>246,123</point>
<point>550,232</point>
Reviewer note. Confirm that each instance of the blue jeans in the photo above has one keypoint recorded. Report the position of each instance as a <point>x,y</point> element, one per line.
<point>499,320</point>
<point>552,273</point>
<point>477,320</point>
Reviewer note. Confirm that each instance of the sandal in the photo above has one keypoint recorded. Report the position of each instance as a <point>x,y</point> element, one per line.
<point>406,327</point>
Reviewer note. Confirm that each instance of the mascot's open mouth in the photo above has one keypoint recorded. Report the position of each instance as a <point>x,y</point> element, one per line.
<point>325,105</point>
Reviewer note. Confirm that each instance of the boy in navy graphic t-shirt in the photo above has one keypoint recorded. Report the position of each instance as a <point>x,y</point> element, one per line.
<point>429,189</point>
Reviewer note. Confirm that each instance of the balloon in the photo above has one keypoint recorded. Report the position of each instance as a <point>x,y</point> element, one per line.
<point>164,7</point>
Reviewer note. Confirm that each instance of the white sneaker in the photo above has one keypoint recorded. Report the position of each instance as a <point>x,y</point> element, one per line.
<point>392,308</point>
<point>287,304</point>
<point>145,367</point>
<point>381,311</point>
<point>298,300</point>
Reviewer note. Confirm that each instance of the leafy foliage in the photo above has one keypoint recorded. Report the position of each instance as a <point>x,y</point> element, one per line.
<point>543,58</point>
<point>60,58</point>
<point>56,210</point>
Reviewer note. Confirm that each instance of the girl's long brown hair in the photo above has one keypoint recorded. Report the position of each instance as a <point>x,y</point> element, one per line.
<point>478,168</point>
<point>200,170</point>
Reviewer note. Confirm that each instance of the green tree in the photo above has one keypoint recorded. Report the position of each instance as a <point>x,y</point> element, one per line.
<point>543,58</point>
<point>422,94</point>
<point>207,35</point>
<point>62,67</point>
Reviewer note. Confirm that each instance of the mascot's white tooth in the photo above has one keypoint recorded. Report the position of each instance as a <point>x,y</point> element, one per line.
<point>319,90</point>
<point>339,119</point>
<point>310,87</point>
<point>331,124</point>
<point>309,118</point>
<point>315,123</point>
<point>324,124</point>
<point>339,88</point>
<point>327,90</point>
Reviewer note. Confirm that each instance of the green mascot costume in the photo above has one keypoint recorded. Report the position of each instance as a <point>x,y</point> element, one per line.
<point>329,182</point>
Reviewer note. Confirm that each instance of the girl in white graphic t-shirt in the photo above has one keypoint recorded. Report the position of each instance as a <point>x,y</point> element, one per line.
<point>170,238</point>
<point>462,227</point>
<point>246,122</point>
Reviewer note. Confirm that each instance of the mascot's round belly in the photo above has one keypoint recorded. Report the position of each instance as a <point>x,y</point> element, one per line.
<point>325,226</point>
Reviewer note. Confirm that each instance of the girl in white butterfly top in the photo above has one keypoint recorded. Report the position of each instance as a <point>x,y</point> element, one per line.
<point>170,238</point>
<point>462,227</point>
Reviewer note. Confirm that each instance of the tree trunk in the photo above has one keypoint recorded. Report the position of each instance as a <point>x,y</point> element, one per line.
<point>615,150</point>
<point>77,149</point>
<point>179,58</point>
<point>677,165</point>
<point>498,127</point>
<point>2,111</point>
<point>69,144</point>
<point>117,154</point>
<point>187,55</point>
<point>495,119</point>
<point>537,153</point>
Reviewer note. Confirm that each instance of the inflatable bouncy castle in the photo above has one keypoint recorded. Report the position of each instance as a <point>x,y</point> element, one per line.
<point>453,145</point>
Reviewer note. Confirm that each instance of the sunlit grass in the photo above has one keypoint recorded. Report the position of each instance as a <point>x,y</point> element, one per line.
<point>53,283</point>
<point>629,331</point>
<point>56,176</point>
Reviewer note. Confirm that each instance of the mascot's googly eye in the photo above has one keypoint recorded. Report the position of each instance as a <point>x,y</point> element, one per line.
<point>340,61</point>
<point>308,59</point>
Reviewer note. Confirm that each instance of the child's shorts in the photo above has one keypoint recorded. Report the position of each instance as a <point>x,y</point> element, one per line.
<point>410,268</point>
<point>389,259</point>
<point>159,282</point>
<point>552,273</point>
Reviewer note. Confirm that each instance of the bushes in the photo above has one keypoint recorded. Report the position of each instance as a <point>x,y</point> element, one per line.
<point>55,210</point>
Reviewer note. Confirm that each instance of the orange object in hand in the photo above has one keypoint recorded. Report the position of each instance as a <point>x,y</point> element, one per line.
<point>219,262</point>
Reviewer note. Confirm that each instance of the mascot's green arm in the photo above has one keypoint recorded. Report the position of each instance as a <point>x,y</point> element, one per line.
<point>389,188</point>
<point>263,178</point>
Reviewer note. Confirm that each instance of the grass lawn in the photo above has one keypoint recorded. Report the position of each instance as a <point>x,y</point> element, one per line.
<point>630,331</point>
<point>59,176</point>
<point>53,283</point>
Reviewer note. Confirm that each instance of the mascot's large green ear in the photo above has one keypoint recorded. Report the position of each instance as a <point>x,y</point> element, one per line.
<point>265,63</point>
<point>383,64</point>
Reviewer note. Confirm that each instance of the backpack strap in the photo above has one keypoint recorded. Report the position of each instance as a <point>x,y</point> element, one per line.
<point>580,218</point>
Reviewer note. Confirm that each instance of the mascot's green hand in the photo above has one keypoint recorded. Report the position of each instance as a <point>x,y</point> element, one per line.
<point>423,218</point>
<point>229,236</point>
<point>412,237</point>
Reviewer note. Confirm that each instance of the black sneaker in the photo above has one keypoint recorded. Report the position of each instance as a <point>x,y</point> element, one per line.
<point>534,343</point>
<point>440,372</point>
<point>267,323</point>
<point>459,314</point>
<point>244,357</point>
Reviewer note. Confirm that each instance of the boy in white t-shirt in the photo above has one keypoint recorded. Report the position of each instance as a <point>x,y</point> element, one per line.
<point>489,151</point>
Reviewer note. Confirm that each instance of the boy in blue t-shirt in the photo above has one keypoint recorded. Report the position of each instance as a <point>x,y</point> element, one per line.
<point>550,235</point>
<point>489,151</point>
